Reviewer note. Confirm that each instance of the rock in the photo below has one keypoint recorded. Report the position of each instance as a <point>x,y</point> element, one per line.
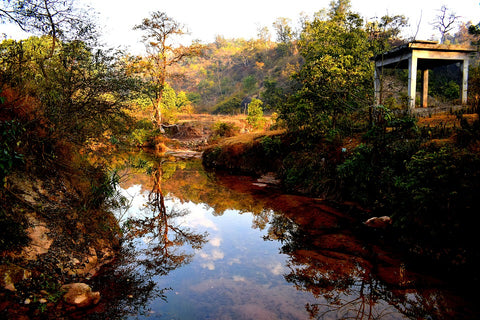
<point>40,242</point>
<point>12,274</point>
<point>378,222</point>
<point>269,178</point>
<point>80,295</point>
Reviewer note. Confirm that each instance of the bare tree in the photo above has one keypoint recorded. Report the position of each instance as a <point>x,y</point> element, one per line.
<point>160,30</point>
<point>445,21</point>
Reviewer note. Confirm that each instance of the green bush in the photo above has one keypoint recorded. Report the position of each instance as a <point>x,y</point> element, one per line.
<point>10,132</point>
<point>437,195</point>
<point>228,106</point>
<point>224,129</point>
<point>272,146</point>
<point>255,114</point>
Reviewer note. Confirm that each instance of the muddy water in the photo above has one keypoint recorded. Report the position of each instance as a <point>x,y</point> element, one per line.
<point>204,246</point>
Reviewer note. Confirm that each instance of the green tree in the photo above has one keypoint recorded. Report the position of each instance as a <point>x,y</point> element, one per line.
<point>249,83</point>
<point>169,104</point>
<point>82,91</point>
<point>385,32</point>
<point>273,95</point>
<point>255,113</point>
<point>336,78</point>
<point>183,103</point>
<point>160,31</point>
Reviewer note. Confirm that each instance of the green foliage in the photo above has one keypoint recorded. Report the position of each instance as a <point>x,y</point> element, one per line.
<point>183,103</point>
<point>436,184</point>
<point>444,83</point>
<point>368,174</point>
<point>224,129</point>
<point>335,79</point>
<point>273,95</point>
<point>249,83</point>
<point>309,171</point>
<point>272,146</point>
<point>451,90</point>
<point>169,105</point>
<point>255,114</point>
<point>194,97</point>
<point>82,91</point>
<point>103,188</point>
<point>11,132</point>
<point>229,106</point>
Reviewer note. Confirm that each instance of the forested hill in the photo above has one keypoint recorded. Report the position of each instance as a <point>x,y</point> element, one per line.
<point>232,71</point>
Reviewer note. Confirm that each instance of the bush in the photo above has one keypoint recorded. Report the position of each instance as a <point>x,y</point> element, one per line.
<point>224,129</point>
<point>10,132</point>
<point>228,106</point>
<point>437,195</point>
<point>255,114</point>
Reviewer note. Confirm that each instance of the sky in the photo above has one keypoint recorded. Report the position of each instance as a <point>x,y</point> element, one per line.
<point>205,19</point>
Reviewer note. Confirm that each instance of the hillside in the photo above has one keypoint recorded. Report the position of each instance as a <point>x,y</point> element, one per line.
<point>233,71</point>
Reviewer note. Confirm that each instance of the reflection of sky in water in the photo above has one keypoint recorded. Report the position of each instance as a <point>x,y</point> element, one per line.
<point>239,275</point>
<point>235,275</point>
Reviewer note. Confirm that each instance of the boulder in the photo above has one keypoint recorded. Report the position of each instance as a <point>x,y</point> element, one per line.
<point>378,222</point>
<point>80,295</point>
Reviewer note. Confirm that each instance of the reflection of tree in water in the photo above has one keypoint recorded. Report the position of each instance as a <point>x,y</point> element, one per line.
<point>153,247</point>
<point>344,277</point>
<point>126,289</point>
<point>164,238</point>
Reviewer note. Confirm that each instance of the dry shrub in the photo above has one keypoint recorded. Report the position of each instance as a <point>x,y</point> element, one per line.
<point>18,106</point>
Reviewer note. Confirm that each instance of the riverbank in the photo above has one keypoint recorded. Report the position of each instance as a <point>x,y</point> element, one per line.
<point>422,173</point>
<point>57,230</point>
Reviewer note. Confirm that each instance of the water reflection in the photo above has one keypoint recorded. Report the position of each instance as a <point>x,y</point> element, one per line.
<point>163,237</point>
<point>268,256</point>
<point>153,245</point>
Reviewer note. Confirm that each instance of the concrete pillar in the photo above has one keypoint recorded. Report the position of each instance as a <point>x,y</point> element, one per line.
<point>412,80</point>
<point>378,86</point>
<point>425,89</point>
<point>465,81</point>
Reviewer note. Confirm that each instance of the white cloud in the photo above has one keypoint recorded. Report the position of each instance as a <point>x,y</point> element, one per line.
<point>215,241</point>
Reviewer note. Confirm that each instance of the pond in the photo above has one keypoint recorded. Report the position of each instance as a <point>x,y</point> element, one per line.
<point>208,246</point>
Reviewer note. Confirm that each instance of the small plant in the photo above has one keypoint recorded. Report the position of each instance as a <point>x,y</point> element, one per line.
<point>10,133</point>
<point>255,114</point>
<point>224,129</point>
<point>272,146</point>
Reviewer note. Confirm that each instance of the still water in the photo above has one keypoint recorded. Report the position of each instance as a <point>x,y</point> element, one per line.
<point>205,246</point>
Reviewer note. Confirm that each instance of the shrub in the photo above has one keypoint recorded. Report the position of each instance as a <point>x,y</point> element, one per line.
<point>228,106</point>
<point>255,114</point>
<point>437,194</point>
<point>10,132</point>
<point>224,129</point>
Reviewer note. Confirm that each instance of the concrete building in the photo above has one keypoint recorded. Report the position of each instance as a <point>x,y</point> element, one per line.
<point>422,55</point>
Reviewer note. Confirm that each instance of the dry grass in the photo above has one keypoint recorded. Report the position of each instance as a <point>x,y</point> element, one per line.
<point>445,119</point>
<point>249,137</point>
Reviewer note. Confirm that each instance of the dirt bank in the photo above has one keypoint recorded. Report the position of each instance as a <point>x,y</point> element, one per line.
<point>63,239</point>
